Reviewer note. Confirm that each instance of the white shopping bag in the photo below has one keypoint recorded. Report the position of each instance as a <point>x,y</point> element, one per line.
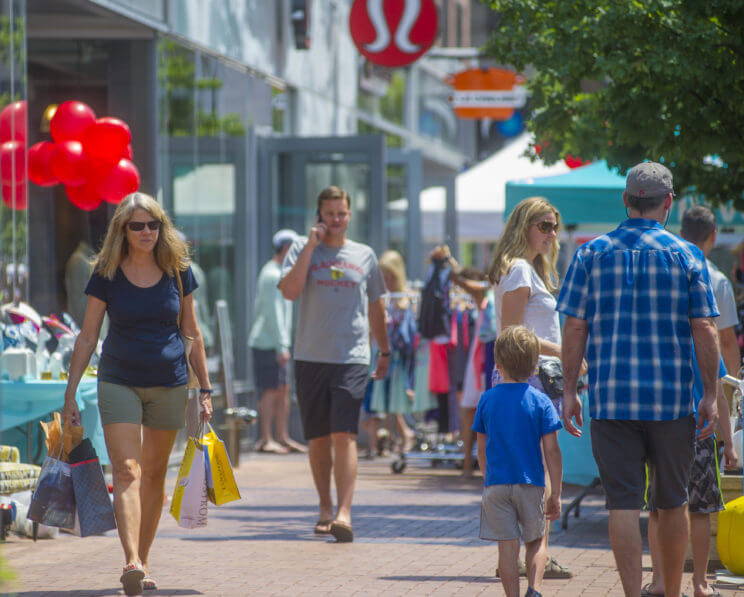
<point>189,504</point>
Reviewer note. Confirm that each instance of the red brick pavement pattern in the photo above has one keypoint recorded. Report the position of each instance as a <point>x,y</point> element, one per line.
<point>416,534</point>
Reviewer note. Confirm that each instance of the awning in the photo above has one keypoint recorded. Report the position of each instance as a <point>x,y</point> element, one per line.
<point>593,195</point>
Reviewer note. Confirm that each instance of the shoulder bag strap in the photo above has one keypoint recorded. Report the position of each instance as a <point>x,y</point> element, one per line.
<point>180,297</point>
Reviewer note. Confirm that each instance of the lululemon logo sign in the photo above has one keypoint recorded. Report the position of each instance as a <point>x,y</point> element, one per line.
<point>393,32</point>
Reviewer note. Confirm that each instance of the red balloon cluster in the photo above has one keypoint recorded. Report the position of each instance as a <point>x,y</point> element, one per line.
<point>13,155</point>
<point>90,156</point>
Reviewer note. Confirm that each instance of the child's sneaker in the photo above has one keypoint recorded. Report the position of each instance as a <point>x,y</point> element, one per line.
<point>532,593</point>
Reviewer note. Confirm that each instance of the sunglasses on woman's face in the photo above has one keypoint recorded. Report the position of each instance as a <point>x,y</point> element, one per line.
<point>547,227</point>
<point>140,226</point>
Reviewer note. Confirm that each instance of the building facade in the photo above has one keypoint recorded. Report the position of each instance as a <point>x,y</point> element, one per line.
<point>240,111</point>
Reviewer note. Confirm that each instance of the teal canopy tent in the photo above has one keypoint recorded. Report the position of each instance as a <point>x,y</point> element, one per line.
<point>590,194</point>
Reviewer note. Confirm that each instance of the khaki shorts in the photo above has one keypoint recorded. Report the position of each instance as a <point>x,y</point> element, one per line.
<point>506,508</point>
<point>157,407</point>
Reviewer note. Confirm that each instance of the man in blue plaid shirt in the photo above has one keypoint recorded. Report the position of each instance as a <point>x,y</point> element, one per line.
<point>635,299</point>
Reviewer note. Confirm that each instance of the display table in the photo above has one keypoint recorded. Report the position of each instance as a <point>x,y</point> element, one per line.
<point>579,466</point>
<point>23,402</point>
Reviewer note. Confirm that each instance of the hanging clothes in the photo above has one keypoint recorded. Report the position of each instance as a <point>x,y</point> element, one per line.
<point>392,395</point>
<point>474,383</point>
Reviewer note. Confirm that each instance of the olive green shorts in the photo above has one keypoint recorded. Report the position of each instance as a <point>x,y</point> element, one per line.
<point>157,407</point>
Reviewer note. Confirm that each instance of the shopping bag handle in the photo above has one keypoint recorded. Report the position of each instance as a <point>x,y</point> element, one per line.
<point>60,444</point>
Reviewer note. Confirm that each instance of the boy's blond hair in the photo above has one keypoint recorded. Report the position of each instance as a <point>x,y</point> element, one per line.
<point>516,350</point>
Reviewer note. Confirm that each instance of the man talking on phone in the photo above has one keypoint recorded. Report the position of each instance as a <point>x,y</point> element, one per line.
<point>339,286</point>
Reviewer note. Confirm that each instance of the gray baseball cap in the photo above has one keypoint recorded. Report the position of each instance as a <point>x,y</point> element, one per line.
<point>649,179</point>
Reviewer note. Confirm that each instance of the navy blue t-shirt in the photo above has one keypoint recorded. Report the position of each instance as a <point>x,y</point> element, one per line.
<point>514,417</point>
<point>143,347</point>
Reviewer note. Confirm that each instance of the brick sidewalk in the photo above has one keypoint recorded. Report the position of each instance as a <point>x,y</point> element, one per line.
<point>416,535</point>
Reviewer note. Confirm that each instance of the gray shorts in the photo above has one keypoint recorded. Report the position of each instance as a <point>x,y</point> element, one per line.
<point>157,407</point>
<point>505,509</point>
<point>623,448</point>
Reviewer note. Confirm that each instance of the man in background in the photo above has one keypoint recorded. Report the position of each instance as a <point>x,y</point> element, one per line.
<point>270,341</point>
<point>699,227</point>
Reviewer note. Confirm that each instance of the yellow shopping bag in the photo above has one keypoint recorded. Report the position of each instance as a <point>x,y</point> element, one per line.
<point>221,486</point>
<point>189,503</point>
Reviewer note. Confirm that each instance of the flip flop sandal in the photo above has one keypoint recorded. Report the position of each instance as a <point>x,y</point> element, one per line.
<point>646,591</point>
<point>555,570</point>
<point>522,569</point>
<point>342,532</point>
<point>277,449</point>
<point>295,447</point>
<point>131,579</point>
<point>323,526</point>
<point>149,584</point>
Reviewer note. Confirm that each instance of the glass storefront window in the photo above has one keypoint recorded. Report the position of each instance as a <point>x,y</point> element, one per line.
<point>397,213</point>
<point>205,110</point>
<point>436,117</point>
<point>13,149</point>
<point>382,92</point>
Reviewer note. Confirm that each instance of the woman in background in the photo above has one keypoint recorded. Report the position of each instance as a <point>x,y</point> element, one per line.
<point>395,396</point>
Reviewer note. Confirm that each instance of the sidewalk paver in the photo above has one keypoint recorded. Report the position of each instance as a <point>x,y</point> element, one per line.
<point>415,534</point>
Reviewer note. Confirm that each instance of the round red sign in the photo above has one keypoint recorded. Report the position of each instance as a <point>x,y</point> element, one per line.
<point>393,32</point>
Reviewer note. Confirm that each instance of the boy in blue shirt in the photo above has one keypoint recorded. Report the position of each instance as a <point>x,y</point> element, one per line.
<point>513,422</point>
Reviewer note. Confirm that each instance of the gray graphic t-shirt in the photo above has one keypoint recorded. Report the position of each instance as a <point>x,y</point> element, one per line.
<point>332,324</point>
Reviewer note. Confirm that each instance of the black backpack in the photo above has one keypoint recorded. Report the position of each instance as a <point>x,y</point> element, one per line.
<point>434,313</point>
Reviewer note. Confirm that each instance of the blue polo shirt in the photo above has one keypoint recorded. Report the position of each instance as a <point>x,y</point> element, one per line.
<point>514,417</point>
<point>143,347</point>
<point>637,288</point>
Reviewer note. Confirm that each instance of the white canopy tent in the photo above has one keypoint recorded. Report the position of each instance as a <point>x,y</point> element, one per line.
<point>480,194</point>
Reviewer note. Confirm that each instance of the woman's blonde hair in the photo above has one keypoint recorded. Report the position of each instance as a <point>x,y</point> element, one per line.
<point>514,242</point>
<point>171,251</point>
<point>392,262</point>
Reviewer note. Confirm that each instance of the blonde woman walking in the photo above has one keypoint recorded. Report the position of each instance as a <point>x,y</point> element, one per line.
<point>524,277</point>
<point>142,375</point>
<point>396,395</point>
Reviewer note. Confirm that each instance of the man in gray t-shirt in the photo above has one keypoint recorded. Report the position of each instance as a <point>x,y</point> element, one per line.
<point>699,227</point>
<point>339,286</point>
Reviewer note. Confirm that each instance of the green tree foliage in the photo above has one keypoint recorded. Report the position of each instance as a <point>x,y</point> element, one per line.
<point>628,80</point>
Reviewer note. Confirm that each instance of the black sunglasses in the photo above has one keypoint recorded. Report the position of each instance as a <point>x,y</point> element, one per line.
<point>547,227</point>
<point>140,226</point>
